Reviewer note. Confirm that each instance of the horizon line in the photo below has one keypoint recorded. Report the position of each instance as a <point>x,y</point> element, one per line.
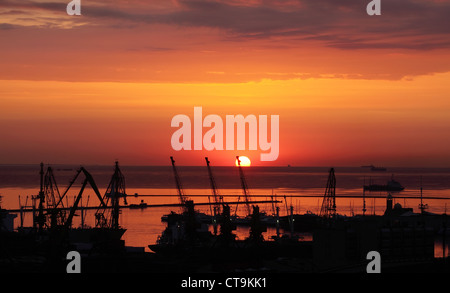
<point>263,166</point>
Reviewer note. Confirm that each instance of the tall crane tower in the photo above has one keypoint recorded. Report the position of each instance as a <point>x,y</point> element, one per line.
<point>115,191</point>
<point>244,186</point>
<point>39,219</point>
<point>218,199</point>
<point>51,211</point>
<point>181,194</point>
<point>328,209</point>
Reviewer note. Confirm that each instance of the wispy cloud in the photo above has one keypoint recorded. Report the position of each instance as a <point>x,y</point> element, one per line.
<point>36,14</point>
<point>344,24</point>
<point>222,40</point>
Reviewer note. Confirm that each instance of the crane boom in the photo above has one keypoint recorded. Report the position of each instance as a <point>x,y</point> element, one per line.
<point>88,178</point>
<point>217,198</point>
<point>244,186</point>
<point>178,183</point>
<point>328,209</point>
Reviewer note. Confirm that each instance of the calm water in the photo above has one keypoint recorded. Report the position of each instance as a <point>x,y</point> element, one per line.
<point>144,225</point>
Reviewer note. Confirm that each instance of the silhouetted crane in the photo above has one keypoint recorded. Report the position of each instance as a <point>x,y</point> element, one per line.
<point>244,186</point>
<point>181,194</point>
<point>88,179</point>
<point>218,199</point>
<point>115,191</point>
<point>51,212</point>
<point>328,209</point>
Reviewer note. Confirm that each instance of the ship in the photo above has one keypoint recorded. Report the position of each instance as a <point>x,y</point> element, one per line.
<point>391,185</point>
<point>375,168</point>
<point>141,205</point>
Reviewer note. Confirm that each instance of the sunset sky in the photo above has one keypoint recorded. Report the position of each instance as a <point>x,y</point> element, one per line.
<point>350,89</point>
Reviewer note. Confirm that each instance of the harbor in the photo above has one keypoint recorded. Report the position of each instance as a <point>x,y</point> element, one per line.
<point>210,229</point>
<point>272,138</point>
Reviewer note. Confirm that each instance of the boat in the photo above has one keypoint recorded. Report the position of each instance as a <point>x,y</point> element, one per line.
<point>141,205</point>
<point>391,185</point>
<point>373,168</point>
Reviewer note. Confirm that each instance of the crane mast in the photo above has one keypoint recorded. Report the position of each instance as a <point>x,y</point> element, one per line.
<point>178,183</point>
<point>218,199</point>
<point>115,191</point>
<point>40,218</point>
<point>49,213</point>
<point>328,209</point>
<point>244,186</point>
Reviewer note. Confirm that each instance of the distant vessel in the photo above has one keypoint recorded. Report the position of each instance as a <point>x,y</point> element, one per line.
<point>374,168</point>
<point>141,205</point>
<point>391,185</point>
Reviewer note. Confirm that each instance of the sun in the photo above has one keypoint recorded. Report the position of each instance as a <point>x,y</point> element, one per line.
<point>245,161</point>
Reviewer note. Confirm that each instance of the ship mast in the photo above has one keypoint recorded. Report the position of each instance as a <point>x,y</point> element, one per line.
<point>422,206</point>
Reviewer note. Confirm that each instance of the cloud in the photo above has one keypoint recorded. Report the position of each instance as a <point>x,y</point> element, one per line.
<point>223,40</point>
<point>19,14</point>
<point>7,26</point>
<point>343,24</point>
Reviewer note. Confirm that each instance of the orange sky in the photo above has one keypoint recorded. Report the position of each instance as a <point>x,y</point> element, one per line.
<point>349,89</point>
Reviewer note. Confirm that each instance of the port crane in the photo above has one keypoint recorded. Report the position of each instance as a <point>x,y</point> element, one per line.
<point>115,191</point>
<point>328,209</point>
<point>51,212</point>
<point>180,190</point>
<point>218,199</point>
<point>244,187</point>
<point>88,179</point>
